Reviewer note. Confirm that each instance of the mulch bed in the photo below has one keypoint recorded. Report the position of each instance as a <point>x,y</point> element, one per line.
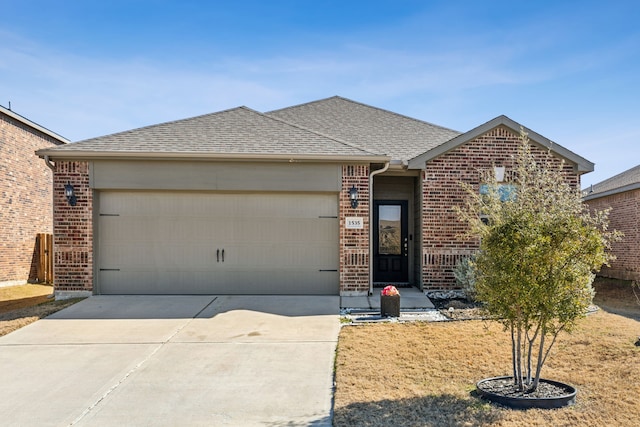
<point>506,387</point>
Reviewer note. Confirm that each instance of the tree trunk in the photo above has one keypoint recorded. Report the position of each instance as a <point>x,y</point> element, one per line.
<point>528,356</point>
<point>513,354</point>
<point>530,343</point>
<point>519,359</point>
<point>536,379</point>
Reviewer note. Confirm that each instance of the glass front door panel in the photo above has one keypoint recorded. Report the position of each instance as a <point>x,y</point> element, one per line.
<point>389,230</point>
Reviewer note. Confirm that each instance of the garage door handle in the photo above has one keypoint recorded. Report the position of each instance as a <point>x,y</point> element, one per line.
<point>223,255</point>
<point>218,255</point>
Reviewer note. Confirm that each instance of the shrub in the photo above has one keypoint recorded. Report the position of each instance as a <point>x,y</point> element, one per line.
<point>465,274</point>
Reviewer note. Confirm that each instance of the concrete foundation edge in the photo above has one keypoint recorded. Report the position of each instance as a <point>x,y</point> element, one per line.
<point>62,295</point>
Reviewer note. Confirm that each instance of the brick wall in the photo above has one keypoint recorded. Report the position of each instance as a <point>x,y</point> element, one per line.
<point>442,246</point>
<point>625,217</point>
<point>25,198</point>
<point>354,243</point>
<point>73,229</point>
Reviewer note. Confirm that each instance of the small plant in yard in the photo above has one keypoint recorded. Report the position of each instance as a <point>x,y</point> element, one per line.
<point>539,249</point>
<point>465,275</point>
<point>635,286</point>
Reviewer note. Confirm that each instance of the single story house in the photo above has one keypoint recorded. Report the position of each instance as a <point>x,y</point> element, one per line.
<point>621,193</point>
<point>25,195</point>
<point>328,197</point>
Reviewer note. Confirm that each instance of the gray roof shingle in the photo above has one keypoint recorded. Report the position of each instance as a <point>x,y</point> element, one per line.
<point>625,181</point>
<point>240,131</point>
<point>370,128</point>
<point>331,129</point>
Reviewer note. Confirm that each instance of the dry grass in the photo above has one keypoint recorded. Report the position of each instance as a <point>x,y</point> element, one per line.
<point>15,297</point>
<point>618,297</point>
<point>24,304</point>
<point>423,374</point>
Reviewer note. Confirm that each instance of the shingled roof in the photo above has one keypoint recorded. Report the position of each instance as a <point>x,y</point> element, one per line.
<point>331,129</point>
<point>238,132</point>
<point>370,128</point>
<point>625,181</point>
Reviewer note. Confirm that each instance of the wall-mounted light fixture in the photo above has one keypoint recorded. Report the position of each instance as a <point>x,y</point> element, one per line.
<point>70,194</point>
<point>353,196</point>
<point>499,173</point>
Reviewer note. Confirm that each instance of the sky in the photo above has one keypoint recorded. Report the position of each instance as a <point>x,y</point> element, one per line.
<point>568,70</point>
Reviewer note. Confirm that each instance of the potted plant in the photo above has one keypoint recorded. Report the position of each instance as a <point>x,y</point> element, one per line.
<point>390,302</point>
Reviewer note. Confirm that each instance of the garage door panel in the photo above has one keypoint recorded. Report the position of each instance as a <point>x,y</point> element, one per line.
<point>242,282</point>
<point>172,243</point>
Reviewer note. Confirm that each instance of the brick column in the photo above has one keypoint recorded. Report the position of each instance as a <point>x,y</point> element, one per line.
<point>72,231</point>
<point>354,243</point>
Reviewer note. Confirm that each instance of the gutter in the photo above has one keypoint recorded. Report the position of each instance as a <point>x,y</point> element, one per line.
<point>371,175</point>
<point>137,155</point>
<point>628,187</point>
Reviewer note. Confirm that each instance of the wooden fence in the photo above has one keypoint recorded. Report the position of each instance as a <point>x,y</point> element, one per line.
<point>44,266</point>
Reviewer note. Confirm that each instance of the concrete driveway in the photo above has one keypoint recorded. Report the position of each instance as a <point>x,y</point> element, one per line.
<point>174,361</point>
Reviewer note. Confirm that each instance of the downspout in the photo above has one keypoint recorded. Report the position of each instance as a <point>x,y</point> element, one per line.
<point>53,245</point>
<point>49,164</point>
<point>371,175</point>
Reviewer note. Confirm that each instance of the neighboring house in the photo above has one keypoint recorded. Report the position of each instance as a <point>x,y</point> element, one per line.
<point>25,195</point>
<point>328,197</point>
<point>621,193</point>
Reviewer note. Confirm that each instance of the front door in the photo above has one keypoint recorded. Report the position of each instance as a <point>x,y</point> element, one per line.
<point>390,240</point>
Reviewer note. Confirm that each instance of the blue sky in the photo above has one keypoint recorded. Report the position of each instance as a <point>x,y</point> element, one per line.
<point>569,70</point>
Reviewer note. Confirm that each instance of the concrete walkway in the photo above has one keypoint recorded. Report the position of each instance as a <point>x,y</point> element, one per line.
<point>173,361</point>
<point>414,306</point>
<point>410,299</point>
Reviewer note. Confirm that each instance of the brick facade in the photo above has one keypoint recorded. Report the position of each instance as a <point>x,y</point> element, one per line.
<point>25,197</point>
<point>438,251</point>
<point>73,230</point>
<point>624,217</point>
<point>442,246</point>
<point>354,243</point>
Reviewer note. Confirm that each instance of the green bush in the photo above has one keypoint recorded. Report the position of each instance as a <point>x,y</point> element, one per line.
<point>465,274</point>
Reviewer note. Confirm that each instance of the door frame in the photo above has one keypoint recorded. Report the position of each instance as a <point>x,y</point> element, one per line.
<point>404,278</point>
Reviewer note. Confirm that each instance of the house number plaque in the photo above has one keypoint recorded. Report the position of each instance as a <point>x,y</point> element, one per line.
<point>354,222</point>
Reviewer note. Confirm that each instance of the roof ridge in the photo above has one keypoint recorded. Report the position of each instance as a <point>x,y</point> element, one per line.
<point>397,114</point>
<point>367,106</point>
<point>333,138</point>
<point>303,103</point>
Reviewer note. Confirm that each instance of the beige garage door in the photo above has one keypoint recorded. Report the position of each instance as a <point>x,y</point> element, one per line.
<point>204,243</point>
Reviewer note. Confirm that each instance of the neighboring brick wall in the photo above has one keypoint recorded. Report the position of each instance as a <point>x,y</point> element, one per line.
<point>625,217</point>
<point>25,198</point>
<point>73,229</point>
<point>442,244</point>
<point>354,244</point>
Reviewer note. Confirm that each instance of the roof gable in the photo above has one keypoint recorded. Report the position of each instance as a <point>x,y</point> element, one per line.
<point>240,132</point>
<point>57,139</point>
<point>625,181</point>
<point>582,164</point>
<point>370,128</point>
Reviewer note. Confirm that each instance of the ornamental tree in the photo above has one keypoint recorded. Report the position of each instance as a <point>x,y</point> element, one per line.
<point>539,249</point>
